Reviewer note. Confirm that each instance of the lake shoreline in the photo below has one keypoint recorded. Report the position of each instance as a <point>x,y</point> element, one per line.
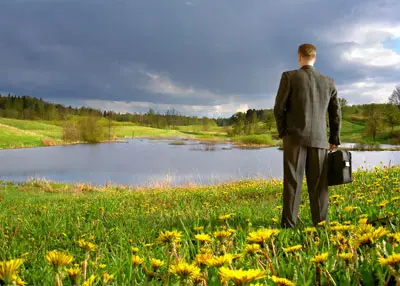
<point>179,141</point>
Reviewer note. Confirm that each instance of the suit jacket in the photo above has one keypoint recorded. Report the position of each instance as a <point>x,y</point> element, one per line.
<point>304,98</point>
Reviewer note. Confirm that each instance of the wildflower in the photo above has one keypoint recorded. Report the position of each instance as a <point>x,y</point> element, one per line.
<point>310,230</point>
<point>86,245</point>
<point>320,258</point>
<point>106,277</point>
<point>393,259</point>
<point>134,250</point>
<point>8,270</point>
<point>346,256</point>
<point>282,281</point>
<point>218,261</point>
<point>58,258</point>
<point>241,277</point>
<point>395,199</point>
<point>227,216</point>
<point>18,281</point>
<point>342,228</point>
<point>339,240</point>
<point>262,235</point>
<point>89,281</point>
<point>293,249</point>
<point>395,236</point>
<point>169,237</point>
<point>274,220</point>
<point>202,259</point>
<point>184,270</point>
<point>136,260</point>
<point>199,228</point>
<point>252,249</point>
<point>350,208</point>
<point>156,263</point>
<point>366,235</point>
<point>322,223</point>
<point>203,237</point>
<point>383,204</point>
<point>222,234</point>
<point>74,274</point>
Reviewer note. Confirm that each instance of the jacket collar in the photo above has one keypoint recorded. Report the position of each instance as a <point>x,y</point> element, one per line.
<point>307,67</point>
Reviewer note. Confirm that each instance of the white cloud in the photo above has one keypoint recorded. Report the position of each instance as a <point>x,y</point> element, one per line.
<point>368,91</point>
<point>368,43</point>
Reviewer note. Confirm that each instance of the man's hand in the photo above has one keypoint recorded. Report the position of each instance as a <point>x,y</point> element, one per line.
<point>332,147</point>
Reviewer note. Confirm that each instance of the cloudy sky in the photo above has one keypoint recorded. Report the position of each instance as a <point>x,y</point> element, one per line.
<point>200,57</point>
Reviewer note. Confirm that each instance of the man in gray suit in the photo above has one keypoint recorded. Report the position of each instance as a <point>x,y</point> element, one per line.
<point>304,98</point>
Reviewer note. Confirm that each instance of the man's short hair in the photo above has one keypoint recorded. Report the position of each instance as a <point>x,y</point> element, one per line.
<point>307,51</point>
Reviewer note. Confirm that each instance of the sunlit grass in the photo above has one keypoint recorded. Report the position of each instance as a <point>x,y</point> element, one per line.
<point>149,234</point>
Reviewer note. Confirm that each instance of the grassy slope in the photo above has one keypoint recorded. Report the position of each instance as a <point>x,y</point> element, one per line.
<point>38,217</point>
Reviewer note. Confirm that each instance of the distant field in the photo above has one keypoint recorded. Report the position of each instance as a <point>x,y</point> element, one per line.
<point>16,133</point>
<point>21,133</point>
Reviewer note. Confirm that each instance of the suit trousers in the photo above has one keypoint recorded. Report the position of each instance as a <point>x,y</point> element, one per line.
<point>314,161</point>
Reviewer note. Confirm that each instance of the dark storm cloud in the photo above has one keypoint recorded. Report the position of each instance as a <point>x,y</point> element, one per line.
<point>174,52</point>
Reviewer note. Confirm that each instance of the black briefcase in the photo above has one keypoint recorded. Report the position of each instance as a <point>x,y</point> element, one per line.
<point>339,167</point>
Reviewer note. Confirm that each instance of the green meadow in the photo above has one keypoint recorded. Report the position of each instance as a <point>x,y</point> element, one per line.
<point>227,234</point>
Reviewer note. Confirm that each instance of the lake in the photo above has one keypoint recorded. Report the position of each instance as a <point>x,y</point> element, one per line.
<point>153,162</point>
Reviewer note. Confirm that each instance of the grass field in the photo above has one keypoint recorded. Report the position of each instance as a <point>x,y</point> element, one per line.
<point>198,233</point>
<point>16,133</point>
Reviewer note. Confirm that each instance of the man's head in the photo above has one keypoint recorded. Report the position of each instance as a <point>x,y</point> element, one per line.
<point>307,54</point>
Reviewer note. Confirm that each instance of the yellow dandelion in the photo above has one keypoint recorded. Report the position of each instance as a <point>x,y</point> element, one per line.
<point>252,249</point>
<point>383,204</point>
<point>366,235</point>
<point>274,220</point>
<point>156,263</point>
<point>350,208</point>
<point>205,250</point>
<point>240,276</point>
<point>310,230</point>
<point>227,216</point>
<point>9,269</point>
<point>74,274</point>
<point>58,258</point>
<point>106,277</point>
<point>293,249</point>
<point>89,281</point>
<point>199,228</point>
<point>134,250</point>
<point>18,281</point>
<point>320,258</point>
<point>262,235</point>
<point>202,259</point>
<point>322,223</point>
<point>346,256</point>
<point>169,236</point>
<point>86,245</point>
<point>136,260</point>
<point>343,228</point>
<point>203,237</point>
<point>218,261</point>
<point>222,234</point>
<point>391,260</point>
<point>184,270</point>
<point>395,236</point>
<point>282,281</point>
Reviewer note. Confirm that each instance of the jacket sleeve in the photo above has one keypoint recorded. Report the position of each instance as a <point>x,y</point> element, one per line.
<point>280,104</point>
<point>334,117</point>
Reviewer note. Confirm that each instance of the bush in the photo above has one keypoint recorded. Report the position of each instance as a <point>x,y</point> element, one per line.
<point>395,138</point>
